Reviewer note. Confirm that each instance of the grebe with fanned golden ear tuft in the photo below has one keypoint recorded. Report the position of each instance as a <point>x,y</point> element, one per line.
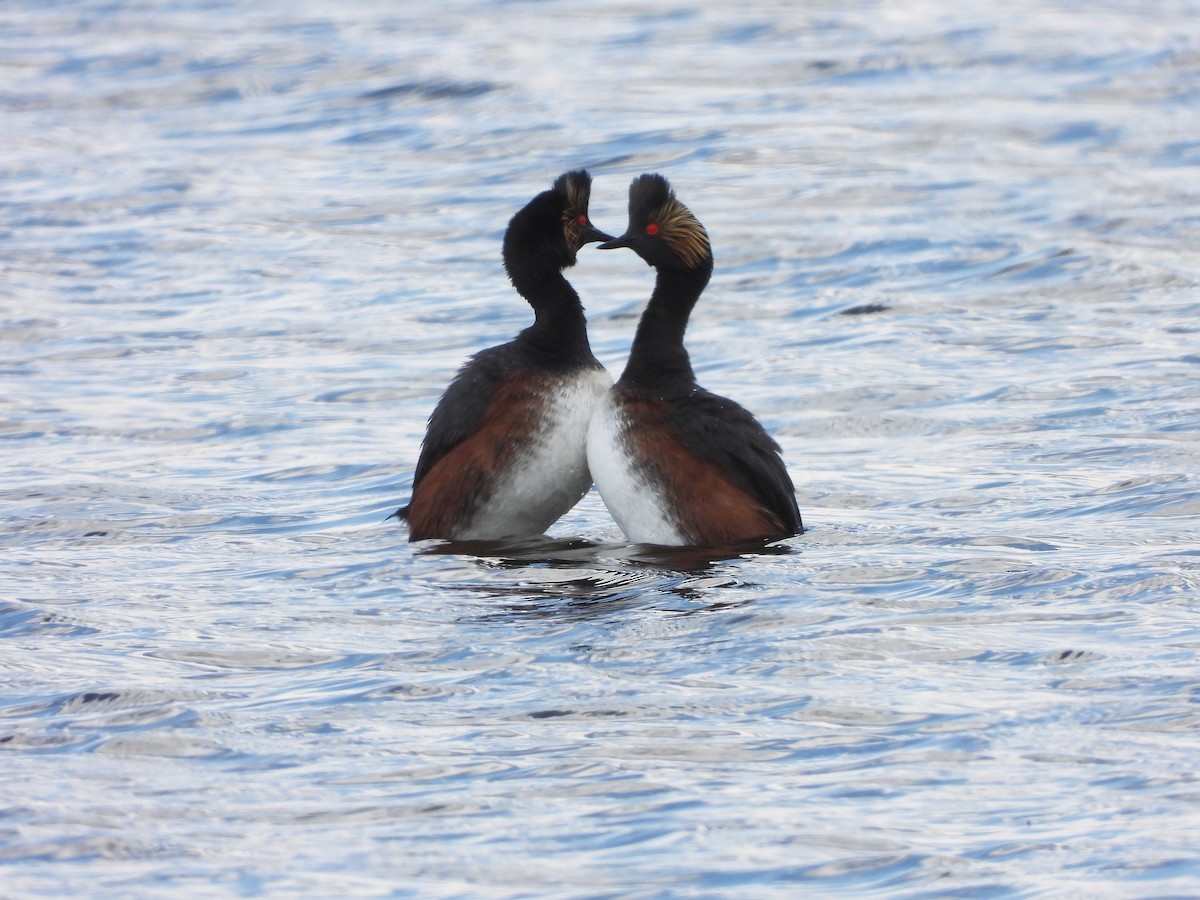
<point>674,463</point>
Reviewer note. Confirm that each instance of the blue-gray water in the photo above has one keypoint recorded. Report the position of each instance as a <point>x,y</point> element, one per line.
<point>244,246</point>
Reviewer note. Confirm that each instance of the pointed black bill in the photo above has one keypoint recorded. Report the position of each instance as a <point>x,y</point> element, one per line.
<point>591,233</point>
<point>613,243</point>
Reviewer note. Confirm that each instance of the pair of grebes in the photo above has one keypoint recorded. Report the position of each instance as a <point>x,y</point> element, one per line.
<point>525,428</point>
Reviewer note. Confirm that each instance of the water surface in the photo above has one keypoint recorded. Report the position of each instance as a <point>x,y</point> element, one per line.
<point>244,248</point>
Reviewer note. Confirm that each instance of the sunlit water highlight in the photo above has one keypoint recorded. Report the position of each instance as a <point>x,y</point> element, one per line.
<point>243,247</point>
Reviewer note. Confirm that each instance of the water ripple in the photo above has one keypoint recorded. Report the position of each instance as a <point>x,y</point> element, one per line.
<point>246,248</point>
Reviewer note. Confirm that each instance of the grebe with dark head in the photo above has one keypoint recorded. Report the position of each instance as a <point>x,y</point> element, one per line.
<point>674,463</point>
<point>504,452</point>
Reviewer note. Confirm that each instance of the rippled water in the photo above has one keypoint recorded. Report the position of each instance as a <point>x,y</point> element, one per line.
<point>243,247</point>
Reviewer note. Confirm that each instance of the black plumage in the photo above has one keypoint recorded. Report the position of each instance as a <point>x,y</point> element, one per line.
<point>725,447</point>
<point>489,419</point>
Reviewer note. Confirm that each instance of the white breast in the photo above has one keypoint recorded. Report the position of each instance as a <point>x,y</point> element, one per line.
<point>551,475</point>
<point>635,502</point>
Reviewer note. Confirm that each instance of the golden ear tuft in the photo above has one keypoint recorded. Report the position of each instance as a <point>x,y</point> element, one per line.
<point>576,190</point>
<point>683,233</point>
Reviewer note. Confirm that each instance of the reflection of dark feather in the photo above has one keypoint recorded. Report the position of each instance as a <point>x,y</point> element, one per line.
<point>622,562</point>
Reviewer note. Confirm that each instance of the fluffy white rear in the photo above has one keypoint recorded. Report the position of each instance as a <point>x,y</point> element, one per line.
<point>635,502</point>
<point>551,475</point>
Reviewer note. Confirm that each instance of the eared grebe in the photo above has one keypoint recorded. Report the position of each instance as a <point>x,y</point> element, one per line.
<point>504,453</point>
<point>675,464</point>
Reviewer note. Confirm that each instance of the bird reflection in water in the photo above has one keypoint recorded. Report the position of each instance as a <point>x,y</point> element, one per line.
<point>595,577</point>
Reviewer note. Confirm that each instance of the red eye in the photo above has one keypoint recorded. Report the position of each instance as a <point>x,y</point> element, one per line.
<point>651,228</point>
<point>582,219</point>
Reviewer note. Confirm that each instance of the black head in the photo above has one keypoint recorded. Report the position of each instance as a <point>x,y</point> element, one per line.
<point>575,188</point>
<point>661,230</point>
<point>545,235</point>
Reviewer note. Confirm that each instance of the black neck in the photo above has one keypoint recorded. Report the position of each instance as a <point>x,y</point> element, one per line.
<point>658,359</point>
<point>559,329</point>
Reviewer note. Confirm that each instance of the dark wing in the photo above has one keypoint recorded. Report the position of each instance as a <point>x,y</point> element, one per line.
<point>721,432</point>
<point>459,413</point>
